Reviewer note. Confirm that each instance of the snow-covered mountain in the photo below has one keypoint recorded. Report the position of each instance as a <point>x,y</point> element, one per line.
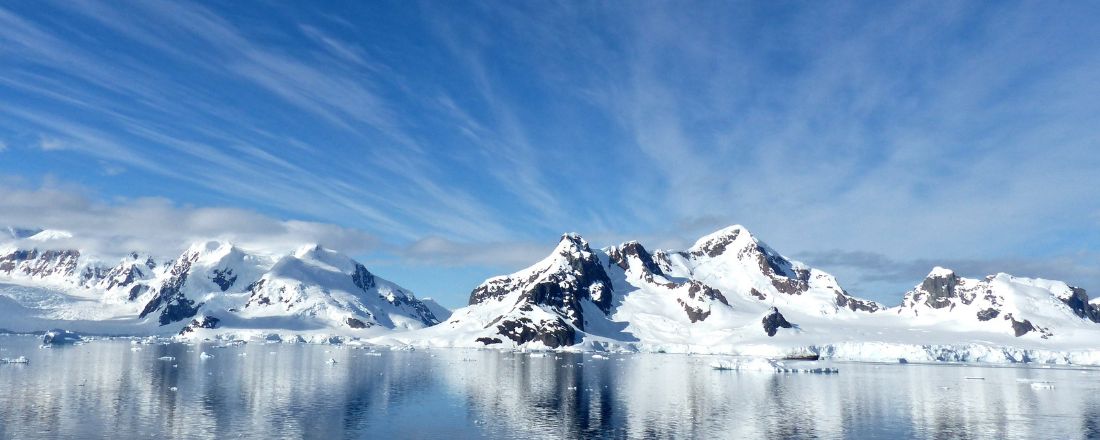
<point>722,289</point>
<point>727,293</point>
<point>999,303</point>
<point>211,288</point>
<point>732,293</point>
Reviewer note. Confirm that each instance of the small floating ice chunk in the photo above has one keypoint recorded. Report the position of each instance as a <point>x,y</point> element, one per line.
<point>331,361</point>
<point>173,389</point>
<point>599,356</point>
<point>1042,386</point>
<point>166,358</point>
<point>205,356</point>
<point>18,360</point>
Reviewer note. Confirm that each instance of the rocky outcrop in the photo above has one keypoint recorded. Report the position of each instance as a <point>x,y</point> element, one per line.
<point>553,333</point>
<point>622,255</point>
<point>169,297</point>
<point>224,278</point>
<point>572,275</point>
<point>942,289</point>
<point>1078,301</point>
<point>773,321</point>
<point>843,299</point>
<point>33,263</point>
<point>548,300</point>
<point>200,322</point>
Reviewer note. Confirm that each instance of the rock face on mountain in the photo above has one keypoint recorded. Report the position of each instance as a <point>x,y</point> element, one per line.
<point>215,284</point>
<point>548,302</point>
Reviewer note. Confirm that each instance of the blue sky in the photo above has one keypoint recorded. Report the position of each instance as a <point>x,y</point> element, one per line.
<point>445,142</point>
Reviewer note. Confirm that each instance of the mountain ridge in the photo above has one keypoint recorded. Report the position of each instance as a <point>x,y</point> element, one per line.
<point>729,292</point>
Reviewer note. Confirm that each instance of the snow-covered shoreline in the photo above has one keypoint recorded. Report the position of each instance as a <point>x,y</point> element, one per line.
<point>728,294</point>
<point>862,352</point>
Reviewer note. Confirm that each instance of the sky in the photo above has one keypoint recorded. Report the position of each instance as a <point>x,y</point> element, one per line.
<point>442,143</point>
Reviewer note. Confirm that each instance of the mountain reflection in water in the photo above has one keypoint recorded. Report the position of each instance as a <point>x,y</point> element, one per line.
<point>113,388</point>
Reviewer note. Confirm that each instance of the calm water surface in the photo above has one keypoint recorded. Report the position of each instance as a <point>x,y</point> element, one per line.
<point>106,389</point>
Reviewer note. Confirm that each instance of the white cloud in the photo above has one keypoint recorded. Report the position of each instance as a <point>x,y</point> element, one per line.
<point>161,227</point>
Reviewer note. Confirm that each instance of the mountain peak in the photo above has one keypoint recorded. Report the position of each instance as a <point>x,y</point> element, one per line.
<point>50,234</point>
<point>309,249</point>
<point>210,247</point>
<point>572,241</point>
<point>323,256</point>
<point>940,272</point>
<point>715,243</point>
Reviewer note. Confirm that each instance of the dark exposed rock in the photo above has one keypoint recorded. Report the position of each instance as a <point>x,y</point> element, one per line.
<point>988,314</point>
<point>1021,328</point>
<point>137,291</point>
<point>406,300</point>
<point>783,274</point>
<point>39,264</point>
<point>757,294</point>
<point>855,304</point>
<point>362,277</point>
<point>940,290</point>
<point>695,314</point>
<point>620,257</point>
<point>355,323</point>
<point>1078,301</point>
<point>717,246</point>
<point>200,322</point>
<point>553,334</point>
<point>773,321</point>
<point>705,291</point>
<point>488,341</point>
<point>802,357</point>
<point>224,278</point>
<point>256,293</point>
<point>169,298</point>
<point>123,275</point>
<point>91,275</point>
<point>559,287</point>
